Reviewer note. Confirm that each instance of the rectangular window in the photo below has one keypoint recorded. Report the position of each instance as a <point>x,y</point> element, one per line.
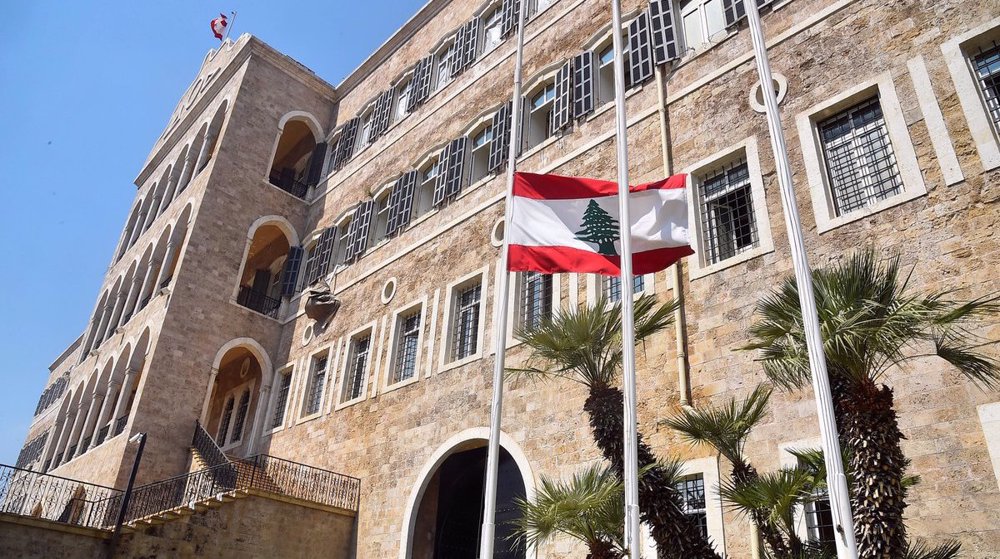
<point>986,65</point>
<point>492,29</point>
<point>692,494</point>
<point>860,163</point>
<point>702,21</point>
<point>381,222</point>
<point>606,75</point>
<point>403,99</point>
<point>445,65</point>
<point>407,346</point>
<point>536,299</point>
<point>227,418</point>
<point>365,134</point>
<point>465,332</point>
<point>728,222</point>
<point>317,382</point>
<point>539,121</point>
<point>612,287</point>
<point>357,368</point>
<point>241,417</point>
<point>480,153</point>
<point>425,192</point>
<point>281,399</point>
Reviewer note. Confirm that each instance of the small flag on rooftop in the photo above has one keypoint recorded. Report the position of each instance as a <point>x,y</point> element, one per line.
<point>219,25</point>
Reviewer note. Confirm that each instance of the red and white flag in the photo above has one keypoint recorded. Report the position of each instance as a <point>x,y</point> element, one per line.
<point>570,224</point>
<point>219,26</point>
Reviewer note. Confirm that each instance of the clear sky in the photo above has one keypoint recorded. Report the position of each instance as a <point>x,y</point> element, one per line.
<point>85,90</point>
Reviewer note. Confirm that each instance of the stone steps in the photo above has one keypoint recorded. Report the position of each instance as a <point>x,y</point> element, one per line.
<point>186,510</point>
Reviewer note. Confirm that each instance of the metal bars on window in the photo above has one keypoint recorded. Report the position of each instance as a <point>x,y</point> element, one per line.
<point>317,381</point>
<point>500,140</point>
<point>640,53</point>
<point>562,105</point>
<point>401,202</point>
<point>421,87</point>
<point>465,333</point>
<point>536,299</point>
<point>613,287</point>
<point>31,451</point>
<point>986,65</point>
<point>663,30</point>
<point>583,84</point>
<point>728,221</point>
<point>860,163</point>
<point>281,399</point>
<point>241,417</point>
<point>357,367</point>
<point>692,494</point>
<point>407,347</point>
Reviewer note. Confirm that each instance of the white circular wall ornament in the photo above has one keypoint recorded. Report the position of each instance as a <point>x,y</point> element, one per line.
<point>244,367</point>
<point>757,94</point>
<point>497,233</point>
<point>388,290</point>
<point>307,334</point>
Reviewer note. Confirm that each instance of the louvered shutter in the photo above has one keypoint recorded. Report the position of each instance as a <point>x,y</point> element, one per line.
<point>402,202</point>
<point>381,114</point>
<point>734,11</point>
<point>456,166</point>
<point>508,17</point>
<point>441,181</point>
<point>467,44</point>
<point>309,273</point>
<point>345,147</point>
<point>290,274</point>
<point>500,140</point>
<point>562,104</point>
<point>358,233</point>
<point>324,250</point>
<point>661,27</point>
<point>583,84</point>
<point>421,87</point>
<point>316,164</point>
<point>392,223</point>
<point>640,55</point>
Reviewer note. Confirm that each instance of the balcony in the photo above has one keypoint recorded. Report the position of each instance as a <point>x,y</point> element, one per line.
<point>258,301</point>
<point>287,181</point>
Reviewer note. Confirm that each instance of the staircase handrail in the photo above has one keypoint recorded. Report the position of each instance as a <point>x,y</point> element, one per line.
<point>206,446</point>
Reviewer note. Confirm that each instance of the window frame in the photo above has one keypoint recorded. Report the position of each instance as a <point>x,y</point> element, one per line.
<point>491,9</point>
<point>698,266</point>
<point>482,128</point>
<point>236,393</point>
<point>402,84</point>
<point>957,52</point>
<point>395,333</point>
<point>307,385</point>
<point>594,287</point>
<point>707,40</point>
<point>289,370</point>
<point>371,330</point>
<point>445,360</point>
<point>540,86</point>
<point>375,237</point>
<point>708,468</point>
<point>820,189</point>
<point>446,51</point>
<point>428,163</point>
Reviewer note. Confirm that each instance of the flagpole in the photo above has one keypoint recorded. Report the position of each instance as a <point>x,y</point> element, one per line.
<point>630,420</point>
<point>836,481</point>
<point>500,327</point>
<point>229,26</point>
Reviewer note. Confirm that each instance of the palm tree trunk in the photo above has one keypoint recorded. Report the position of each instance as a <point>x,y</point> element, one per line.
<point>869,429</point>
<point>676,535</point>
<point>602,550</point>
<point>743,474</point>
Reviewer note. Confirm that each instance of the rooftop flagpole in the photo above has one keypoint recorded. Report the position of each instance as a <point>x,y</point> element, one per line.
<point>500,325</point>
<point>229,26</point>
<point>839,497</point>
<point>628,320</point>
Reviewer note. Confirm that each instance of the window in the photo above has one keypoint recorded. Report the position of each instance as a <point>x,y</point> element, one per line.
<point>381,222</point>
<point>612,287</point>
<point>425,191</point>
<point>281,398</point>
<point>445,65</point>
<point>986,65</point>
<point>692,493</point>
<point>492,29</point>
<point>241,417</point>
<point>605,74</point>
<point>480,153</point>
<point>342,240</point>
<point>819,518</point>
<point>535,299</point>
<point>539,118</point>
<point>227,418</point>
<point>465,332</point>
<point>860,164</point>
<point>357,367</point>
<point>407,346</point>
<point>538,6</point>
<point>403,91</point>
<point>365,133</point>
<point>317,381</point>
<point>702,21</point>
<point>728,223</point>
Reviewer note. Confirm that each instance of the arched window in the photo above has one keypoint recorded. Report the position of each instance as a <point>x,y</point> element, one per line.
<point>292,169</point>
<point>427,177</point>
<point>479,143</point>
<point>261,285</point>
<point>538,118</point>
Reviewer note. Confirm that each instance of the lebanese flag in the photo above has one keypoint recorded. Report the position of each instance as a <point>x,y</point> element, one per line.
<point>219,26</point>
<point>570,224</point>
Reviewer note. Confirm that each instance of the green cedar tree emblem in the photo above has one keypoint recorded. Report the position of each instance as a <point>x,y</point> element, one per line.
<point>599,228</point>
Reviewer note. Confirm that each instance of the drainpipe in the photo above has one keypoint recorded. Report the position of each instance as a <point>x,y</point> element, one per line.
<point>680,329</point>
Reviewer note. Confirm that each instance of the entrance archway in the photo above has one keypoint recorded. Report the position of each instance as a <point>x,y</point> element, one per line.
<point>234,401</point>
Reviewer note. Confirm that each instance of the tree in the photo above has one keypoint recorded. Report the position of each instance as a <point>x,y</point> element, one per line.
<point>599,228</point>
<point>589,508</point>
<point>584,345</point>
<point>871,323</point>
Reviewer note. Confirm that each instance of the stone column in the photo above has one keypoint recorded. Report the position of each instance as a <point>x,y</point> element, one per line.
<point>168,263</point>
<point>168,194</point>
<point>76,411</point>
<point>263,399</point>
<point>101,325</point>
<point>88,422</point>
<point>203,153</point>
<point>152,213</point>
<point>147,287</point>
<point>185,176</point>
<point>130,300</point>
<point>123,396</point>
<point>116,312</point>
<point>102,417</point>
<point>137,230</point>
<point>205,406</point>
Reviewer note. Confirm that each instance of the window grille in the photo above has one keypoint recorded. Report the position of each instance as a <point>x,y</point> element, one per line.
<point>819,520</point>
<point>281,399</point>
<point>562,105</point>
<point>31,451</point>
<point>500,139</point>
<point>465,336</point>
<point>583,84</point>
<point>241,417</point>
<point>421,84</point>
<point>406,350</point>
<point>357,367</point>
<point>987,68</point>
<point>640,54</point>
<point>227,417</point>
<point>692,494</point>
<point>317,382</point>
<point>728,222</point>
<point>662,30</point>
<point>612,287</point>
<point>860,162</point>
<point>536,299</point>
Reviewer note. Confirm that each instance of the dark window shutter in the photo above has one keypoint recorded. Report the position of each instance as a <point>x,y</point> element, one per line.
<point>661,23</point>
<point>500,142</point>
<point>455,170</point>
<point>509,15</point>
<point>316,164</point>
<point>583,84</point>
<point>351,238</point>
<point>290,274</point>
<point>324,248</point>
<point>392,223</point>
<point>421,87</point>
<point>361,225</point>
<point>402,202</point>
<point>640,55</point>
<point>345,147</point>
<point>381,114</point>
<point>261,281</point>
<point>734,11</point>
<point>309,273</point>
<point>441,181</point>
<point>562,104</point>
<point>467,44</point>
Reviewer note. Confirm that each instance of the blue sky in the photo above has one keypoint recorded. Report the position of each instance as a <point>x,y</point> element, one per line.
<point>85,89</point>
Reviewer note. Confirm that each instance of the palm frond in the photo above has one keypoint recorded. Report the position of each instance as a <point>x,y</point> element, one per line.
<point>725,427</point>
<point>923,550</point>
<point>777,493</point>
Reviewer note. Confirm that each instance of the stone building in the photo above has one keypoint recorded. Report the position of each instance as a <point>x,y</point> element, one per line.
<point>389,187</point>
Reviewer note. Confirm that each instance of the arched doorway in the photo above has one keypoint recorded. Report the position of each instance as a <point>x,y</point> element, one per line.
<point>448,518</point>
<point>234,401</point>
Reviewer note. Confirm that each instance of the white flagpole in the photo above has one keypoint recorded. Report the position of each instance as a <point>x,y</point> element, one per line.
<point>500,327</point>
<point>229,26</point>
<point>840,501</point>
<point>630,420</point>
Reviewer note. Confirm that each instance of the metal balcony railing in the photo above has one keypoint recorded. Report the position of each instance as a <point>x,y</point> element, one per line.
<point>258,301</point>
<point>289,183</point>
<point>207,447</point>
<point>38,495</point>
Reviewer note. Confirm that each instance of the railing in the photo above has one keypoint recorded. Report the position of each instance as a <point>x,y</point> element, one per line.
<point>290,184</point>
<point>103,433</point>
<point>38,495</point>
<point>258,301</point>
<point>284,477</point>
<point>207,447</point>
<point>120,425</point>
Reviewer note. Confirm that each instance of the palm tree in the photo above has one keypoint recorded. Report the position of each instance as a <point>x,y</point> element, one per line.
<point>584,345</point>
<point>770,501</point>
<point>589,508</point>
<point>870,324</point>
<point>726,428</point>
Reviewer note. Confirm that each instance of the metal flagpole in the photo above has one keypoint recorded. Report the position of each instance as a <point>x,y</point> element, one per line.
<point>840,500</point>
<point>628,327</point>
<point>500,327</point>
<point>229,26</point>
